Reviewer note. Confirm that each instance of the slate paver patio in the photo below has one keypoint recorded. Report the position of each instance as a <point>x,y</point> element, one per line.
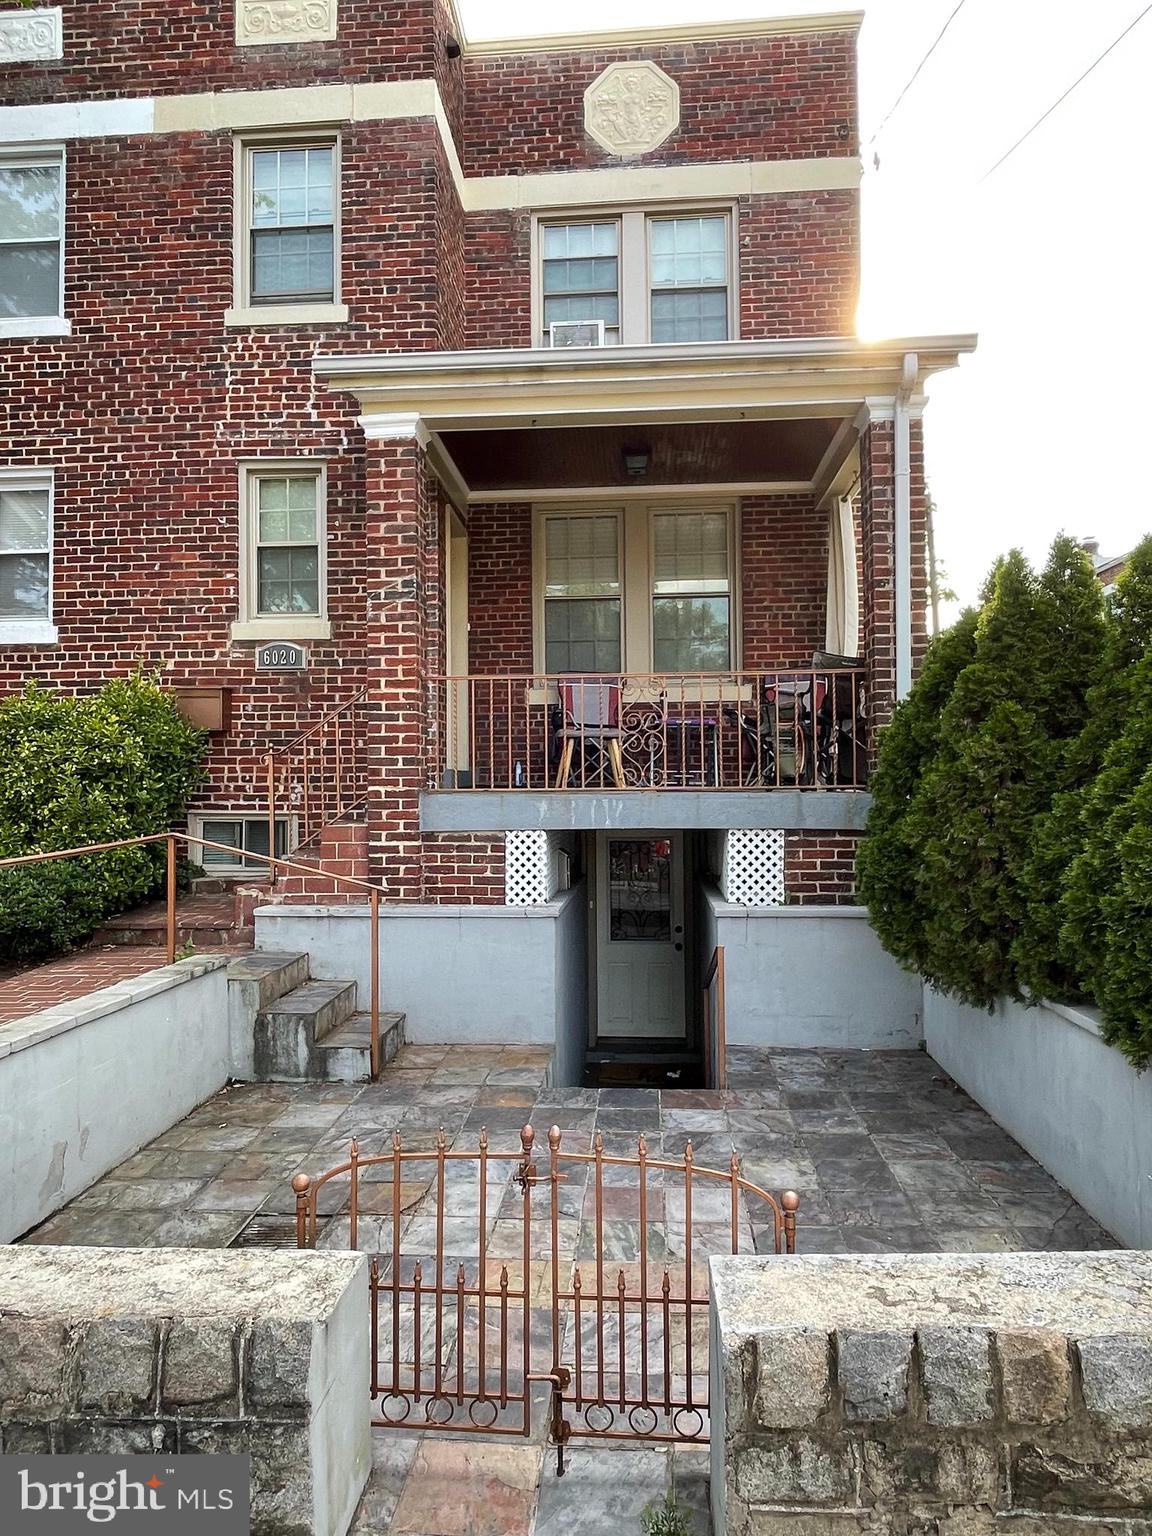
<point>886,1153</point>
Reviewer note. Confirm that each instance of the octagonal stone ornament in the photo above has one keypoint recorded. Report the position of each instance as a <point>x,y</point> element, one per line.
<point>632,108</point>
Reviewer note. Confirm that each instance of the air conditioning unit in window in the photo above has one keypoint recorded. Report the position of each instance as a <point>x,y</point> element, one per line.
<point>576,333</point>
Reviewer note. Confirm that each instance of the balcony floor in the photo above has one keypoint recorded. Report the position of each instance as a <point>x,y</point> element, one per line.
<point>589,810</point>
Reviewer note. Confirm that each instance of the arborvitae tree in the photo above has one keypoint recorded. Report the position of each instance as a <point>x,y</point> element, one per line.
<point>1075,644</point>
<point>971,820</point>
<point>1091,880</point>
<point>1065,917</point>
<point>1122,978</point>
<point>886,866</point>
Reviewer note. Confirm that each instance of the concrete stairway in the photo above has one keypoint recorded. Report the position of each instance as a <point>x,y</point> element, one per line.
<point>293,1029</point>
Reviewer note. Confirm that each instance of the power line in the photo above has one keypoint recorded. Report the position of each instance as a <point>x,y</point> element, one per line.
<point>1062,99</point>
<point>917,72</point>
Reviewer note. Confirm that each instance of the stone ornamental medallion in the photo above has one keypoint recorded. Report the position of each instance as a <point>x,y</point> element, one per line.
<point>285,21</point>
<point>26,35</point>
<point>631,108</point>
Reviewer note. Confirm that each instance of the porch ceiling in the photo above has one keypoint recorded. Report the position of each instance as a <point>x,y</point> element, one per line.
<point>783,453</point>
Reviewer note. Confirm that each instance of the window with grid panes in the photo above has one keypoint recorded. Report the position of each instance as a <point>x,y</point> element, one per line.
<point>241,835</point>
<point>287,533</point>
<point>292,223</point>
<point>691,599</point>
<point>688,274</point>
<point>582,594</point>
<point>25,551</point>
<point>31,236</point>
<point>580,275</point>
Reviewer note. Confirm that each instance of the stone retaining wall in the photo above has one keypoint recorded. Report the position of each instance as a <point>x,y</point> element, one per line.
<point>933,1395</point>
<point>135,1352</point>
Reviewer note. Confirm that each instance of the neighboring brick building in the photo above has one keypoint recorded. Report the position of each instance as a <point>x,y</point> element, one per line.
<point>325,331</point>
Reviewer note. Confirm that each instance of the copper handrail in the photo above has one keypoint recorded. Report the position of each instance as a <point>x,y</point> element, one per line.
<point>757,728</point>
<point>334,801</point>
<point>714,1022</point>
<point>172,838</point>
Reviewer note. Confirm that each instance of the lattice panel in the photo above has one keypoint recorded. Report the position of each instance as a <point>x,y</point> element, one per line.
<point>529,869</point>
<point>754,868</point>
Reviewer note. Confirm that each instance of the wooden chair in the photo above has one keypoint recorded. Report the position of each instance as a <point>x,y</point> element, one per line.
<point>590,709</point>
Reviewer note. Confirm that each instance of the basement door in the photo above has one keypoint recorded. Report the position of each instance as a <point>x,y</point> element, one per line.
<point>640,954</point>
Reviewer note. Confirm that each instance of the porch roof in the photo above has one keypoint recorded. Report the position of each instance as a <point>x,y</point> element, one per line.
<point>827,377</point>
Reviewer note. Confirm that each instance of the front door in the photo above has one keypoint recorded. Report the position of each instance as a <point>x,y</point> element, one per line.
<point>640,937</point>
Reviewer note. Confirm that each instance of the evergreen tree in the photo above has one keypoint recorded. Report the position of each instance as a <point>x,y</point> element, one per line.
<point>971,820</point>
<point>1075,645</point>
<point>886,866</point>
<point>1093,878</point>
<point>1122,979</point>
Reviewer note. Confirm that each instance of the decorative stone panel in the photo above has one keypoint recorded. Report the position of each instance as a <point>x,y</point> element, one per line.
<point>753,873</point>
<point>631,108</point>
<point>529,869</point>
<point>285,21</point>
<point>957,1395</point>
<point>31,35</point>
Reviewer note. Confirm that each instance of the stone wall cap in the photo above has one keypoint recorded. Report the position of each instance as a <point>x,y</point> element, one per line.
<point>1079,1294</point>
<point>61,1282</point>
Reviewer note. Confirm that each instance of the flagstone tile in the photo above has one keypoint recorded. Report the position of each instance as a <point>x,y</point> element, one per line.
<point>482,1488</point>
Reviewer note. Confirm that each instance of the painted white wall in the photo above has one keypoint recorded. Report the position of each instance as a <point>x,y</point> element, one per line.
<point>85,1084</point>
<point>810,977</point>
<point>1073,1102</point>
<point>460,974</point>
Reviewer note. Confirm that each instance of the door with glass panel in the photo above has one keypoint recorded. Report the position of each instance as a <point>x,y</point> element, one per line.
<point>640,947</point>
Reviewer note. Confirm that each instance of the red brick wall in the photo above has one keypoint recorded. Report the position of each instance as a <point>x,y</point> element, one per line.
<point>799,265</point>
<point>164,47</point>
<point>500,588</point>
<point>819,868</point>
<point>784,552</point>
<point>758,98</point>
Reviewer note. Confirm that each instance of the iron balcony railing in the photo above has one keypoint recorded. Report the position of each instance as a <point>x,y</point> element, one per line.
<point>798,728</point>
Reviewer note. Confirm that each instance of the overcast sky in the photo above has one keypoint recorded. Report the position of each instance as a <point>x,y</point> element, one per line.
<point>1048,258</point>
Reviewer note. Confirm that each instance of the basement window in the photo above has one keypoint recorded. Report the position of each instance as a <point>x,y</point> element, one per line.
<point>239,835</point>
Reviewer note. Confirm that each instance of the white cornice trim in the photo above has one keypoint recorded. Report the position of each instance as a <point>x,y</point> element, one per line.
<point>395,427</point>
<point>682,32</point>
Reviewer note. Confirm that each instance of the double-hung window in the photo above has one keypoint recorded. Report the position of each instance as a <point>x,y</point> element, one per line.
<point>32,244</point>
<point>645,588</point>
<point>26,557</point>
<point>283,552</point>
<point>636,277</point>
<point>582,593</point>
<point>691,603</point>
<point>288,235</point>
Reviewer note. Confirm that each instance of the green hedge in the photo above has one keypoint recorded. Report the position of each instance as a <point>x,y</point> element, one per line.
<point>116,764</point>
<point>1009,849</point>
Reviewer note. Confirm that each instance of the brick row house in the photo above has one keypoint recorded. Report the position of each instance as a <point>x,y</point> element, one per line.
<point>477,437</point>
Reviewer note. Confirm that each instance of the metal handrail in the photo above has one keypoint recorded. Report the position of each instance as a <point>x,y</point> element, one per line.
<point>714,1020</point>
<point>273,762</point>
<point>172,838</point>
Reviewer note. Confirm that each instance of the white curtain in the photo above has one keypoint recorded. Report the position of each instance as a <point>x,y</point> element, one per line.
<point>842,632</point>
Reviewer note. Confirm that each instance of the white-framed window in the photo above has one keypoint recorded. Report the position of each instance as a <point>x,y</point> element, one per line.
<point>287,230</point>
<point>583,592</point>
<point>26,510</point>
<point>645,275</point>
<point>283,556</point>
<point>32,193</point>
<point>239,834</point>
<point>645,587</point>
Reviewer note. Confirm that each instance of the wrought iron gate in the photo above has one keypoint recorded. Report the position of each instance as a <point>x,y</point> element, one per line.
<point>491,1272</point>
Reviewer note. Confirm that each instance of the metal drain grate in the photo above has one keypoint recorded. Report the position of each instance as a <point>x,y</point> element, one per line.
<point>272,1232</point>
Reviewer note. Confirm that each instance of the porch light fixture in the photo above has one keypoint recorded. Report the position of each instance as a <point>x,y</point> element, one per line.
<point>636,461</point>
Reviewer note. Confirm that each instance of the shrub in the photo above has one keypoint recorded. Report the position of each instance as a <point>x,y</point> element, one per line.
<point>117,764</point>
<point>886,866</point>
<point>1122,974</point>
